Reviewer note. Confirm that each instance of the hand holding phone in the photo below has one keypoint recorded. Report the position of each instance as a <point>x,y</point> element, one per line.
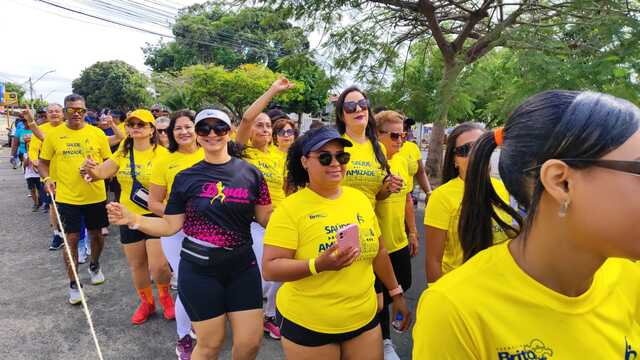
<point>348,237</point>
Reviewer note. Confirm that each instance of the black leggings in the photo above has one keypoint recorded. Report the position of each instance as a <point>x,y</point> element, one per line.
<point>401,262</point>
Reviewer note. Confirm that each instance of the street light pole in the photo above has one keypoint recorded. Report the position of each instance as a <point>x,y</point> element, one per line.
<point>31,83</point>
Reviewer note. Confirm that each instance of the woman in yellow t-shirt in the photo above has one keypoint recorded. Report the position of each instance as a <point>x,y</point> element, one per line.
<point>327,305</point>
<point>565,287</point>
<point>395,216</point>
<point>184,152</point>
<point>256,129</point>
<point>144,253</point>
<point>443,248</point>
<point>368,169</point>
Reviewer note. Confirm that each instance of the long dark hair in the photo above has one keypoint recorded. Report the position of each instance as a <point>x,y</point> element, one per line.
<point>449,169</point>
<point>370,130</point>
<point>550,125</point>
<point>173,144</point>
<point>297,176</point>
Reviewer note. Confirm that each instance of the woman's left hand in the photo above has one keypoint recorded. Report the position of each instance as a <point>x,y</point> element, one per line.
<point>399,305</point>
<point>413,244</point>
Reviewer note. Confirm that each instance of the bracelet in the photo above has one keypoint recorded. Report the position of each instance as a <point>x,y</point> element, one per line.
<point>46,179</point>
<point>136,224</point>
<point>397,291</point>
<point>312,266</point>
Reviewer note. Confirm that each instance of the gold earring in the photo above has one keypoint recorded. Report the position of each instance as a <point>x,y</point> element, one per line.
<point>564,208</point>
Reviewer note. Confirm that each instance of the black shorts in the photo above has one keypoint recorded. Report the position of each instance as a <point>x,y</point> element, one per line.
<point>305,337</point>
<point>401,262</point>
<point>94,215</point>
<point>128,236</point>
<point>33,183</point>
<point>210,291</point>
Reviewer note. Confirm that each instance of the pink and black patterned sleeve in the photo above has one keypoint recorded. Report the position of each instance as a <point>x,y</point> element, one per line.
<point>263,193</point>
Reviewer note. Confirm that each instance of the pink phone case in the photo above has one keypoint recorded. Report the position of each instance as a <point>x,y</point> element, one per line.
<point>348,237</point>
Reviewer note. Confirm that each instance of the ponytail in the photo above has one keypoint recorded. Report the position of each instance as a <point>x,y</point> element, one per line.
<point>297,176</point>
<point>480,201</point>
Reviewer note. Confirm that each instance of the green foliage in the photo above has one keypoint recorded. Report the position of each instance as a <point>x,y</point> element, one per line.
<point>316,83</point>
<point>113,84</point>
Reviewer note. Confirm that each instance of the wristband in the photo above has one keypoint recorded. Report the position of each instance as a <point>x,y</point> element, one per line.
<point>46,179</point>
<point>397,291</point>
<point>136,224</point>
<point>312,266</point>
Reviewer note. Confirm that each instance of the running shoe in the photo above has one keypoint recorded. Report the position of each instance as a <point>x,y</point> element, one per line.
<point>74,295</point>
<point>35,208</point>
<point>82,255</point>
<point>142,313</point>
<point>270,327</point>
<point>56,243</point>
<point>389,350</point>
<point>168,307</point>
<point>174,282</point>
<point>97,277</point>
<point>45,208</point>
<point>184,348</point>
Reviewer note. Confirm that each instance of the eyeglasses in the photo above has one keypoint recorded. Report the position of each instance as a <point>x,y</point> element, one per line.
<point>351,106</point>
<point>79,111</point>
<point>162,131</point>
<point>136,125</point>
<point>287,132</point>
<point>395,136</point>
<point>219,128</point>
<point>325,158</point>
<point>463,150</point>
<point>627,166</point>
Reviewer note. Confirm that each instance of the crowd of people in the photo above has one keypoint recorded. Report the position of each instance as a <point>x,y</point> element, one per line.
<point>309,237</point>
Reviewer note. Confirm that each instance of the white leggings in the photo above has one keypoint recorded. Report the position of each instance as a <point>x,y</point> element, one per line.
<point>269,288</point>
<point>171,246</point>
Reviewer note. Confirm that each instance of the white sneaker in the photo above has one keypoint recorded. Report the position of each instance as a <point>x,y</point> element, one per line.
<point>389,350</point>
<point>97,277</point>
<point>174,282</point>
<point>74,296</point>
<point>82,255</point>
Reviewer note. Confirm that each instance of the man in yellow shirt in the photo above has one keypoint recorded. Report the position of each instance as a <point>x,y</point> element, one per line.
<point>78,197</point>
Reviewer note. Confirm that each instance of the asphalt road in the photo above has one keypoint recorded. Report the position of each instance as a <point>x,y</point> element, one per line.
<point>38,323</point>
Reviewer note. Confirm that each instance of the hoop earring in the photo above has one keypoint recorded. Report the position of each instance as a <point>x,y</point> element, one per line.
<point>564,208</point>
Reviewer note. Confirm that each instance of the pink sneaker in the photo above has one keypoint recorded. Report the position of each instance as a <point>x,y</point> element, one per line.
<point>270,327</point>
<point>184,348</point>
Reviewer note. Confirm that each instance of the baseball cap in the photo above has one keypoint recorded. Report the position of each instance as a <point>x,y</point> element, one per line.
<point>276,114</point>
<point>142,115</point>
<point>317,138</point>
<point>213,114</point>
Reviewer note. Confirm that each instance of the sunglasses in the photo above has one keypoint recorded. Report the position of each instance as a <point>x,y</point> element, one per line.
<point>161,131</point>
<point>395,136</point>
<point>219,128</point>
<point>463,150</point>
<point>351,106</point>
<point>325,158</point>
<point>626,166</point>
<point>79,111</point>
<point>136,125</point>
<point>287,132</point>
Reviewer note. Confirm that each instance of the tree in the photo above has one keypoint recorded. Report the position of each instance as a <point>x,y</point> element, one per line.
<point>198,86</point>
<point>113,84</point>
<point>464,31</point>
<point>205,33</point>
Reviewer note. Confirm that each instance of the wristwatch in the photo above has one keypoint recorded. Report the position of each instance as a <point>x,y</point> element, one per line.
<point>397,291</point>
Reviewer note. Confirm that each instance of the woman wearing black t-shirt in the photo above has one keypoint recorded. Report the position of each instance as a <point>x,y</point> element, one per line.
<point>214,203</point>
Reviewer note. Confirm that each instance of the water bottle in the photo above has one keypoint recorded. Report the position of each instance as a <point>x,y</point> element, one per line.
<point>397,323</point>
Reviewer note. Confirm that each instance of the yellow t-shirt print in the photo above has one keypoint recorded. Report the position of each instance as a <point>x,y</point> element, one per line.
<point>363,170</point>
<point>219,193</point>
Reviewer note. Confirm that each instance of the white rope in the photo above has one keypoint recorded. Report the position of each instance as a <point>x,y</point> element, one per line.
<point>77,278</point>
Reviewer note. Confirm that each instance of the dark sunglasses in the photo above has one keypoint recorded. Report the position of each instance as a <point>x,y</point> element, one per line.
<point>463,150</point>
<point>325,158</point>
<point>351,106</point>
<point>627,166</point>
<point>219,128</point>
<point>136,125</point>
<point>395,135</point>
<point>287,132</point>
<point>162,131</point>
<point>79,111</point>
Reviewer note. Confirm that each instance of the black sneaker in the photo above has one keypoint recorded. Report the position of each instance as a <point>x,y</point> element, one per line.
<point>56,243</point>
<point>35,208</point>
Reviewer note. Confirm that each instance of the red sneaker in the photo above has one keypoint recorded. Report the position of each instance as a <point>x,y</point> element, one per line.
<point>168,307</point>
<point>142,313</point>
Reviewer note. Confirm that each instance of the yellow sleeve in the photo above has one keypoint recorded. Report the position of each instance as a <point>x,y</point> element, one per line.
<point>105,150</point>
<point>416,151</point>
<point>281,230</point>
<point>34,148</point>
<point>158,172</point>
<point>438,213</point>
<point>48,149</point>
<point>440,331</point>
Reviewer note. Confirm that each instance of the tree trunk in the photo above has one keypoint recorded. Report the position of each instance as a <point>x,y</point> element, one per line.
<point>445,95</point>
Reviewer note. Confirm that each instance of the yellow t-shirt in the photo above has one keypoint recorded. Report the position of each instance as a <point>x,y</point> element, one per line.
<point>412,153</point>
<point>390,211</point>
<point>144,164</point>
<point>36,145</point>
<point>166,168</point>
<point>491,309</point>
<point>333,301</point>
<point>67,150</point>
<point>443,212</point>
<point>363,171</point>
<point>271,165</point>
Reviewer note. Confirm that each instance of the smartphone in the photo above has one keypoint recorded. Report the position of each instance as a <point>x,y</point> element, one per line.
<point>348,237</point>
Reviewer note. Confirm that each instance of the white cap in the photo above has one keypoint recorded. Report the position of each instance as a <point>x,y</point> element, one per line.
<point>212,114</point>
